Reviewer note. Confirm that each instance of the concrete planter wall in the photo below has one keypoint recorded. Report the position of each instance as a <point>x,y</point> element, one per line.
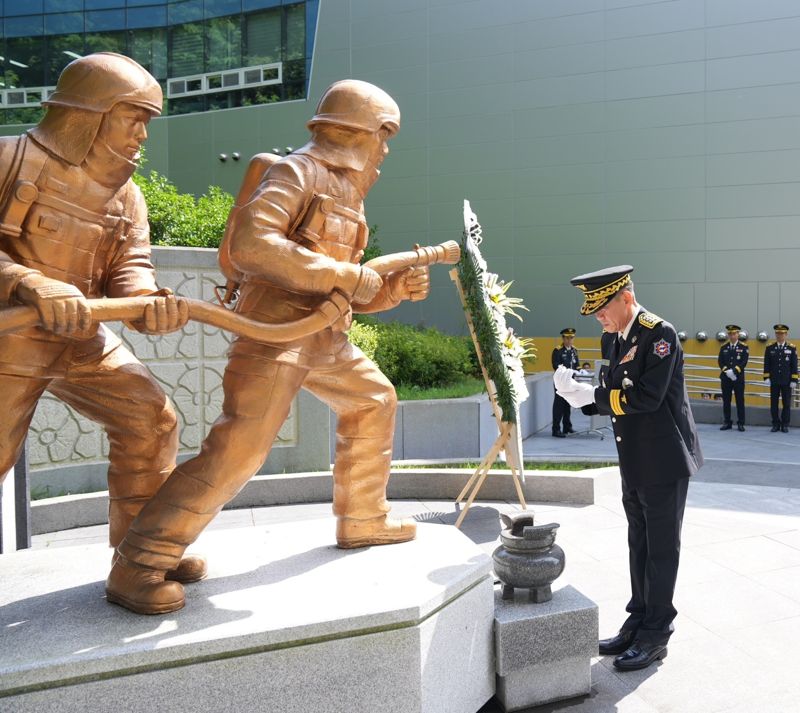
<point>461,428</point>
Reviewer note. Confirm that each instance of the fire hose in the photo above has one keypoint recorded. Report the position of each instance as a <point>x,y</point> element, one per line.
<point>335,305</point>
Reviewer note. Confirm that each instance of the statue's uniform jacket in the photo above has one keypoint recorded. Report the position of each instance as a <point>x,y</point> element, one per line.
<point>80,232</point>
<point>284,279</point>
<point>97,239</point>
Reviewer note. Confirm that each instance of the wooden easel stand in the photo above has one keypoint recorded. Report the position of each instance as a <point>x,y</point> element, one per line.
<point>508,431</point>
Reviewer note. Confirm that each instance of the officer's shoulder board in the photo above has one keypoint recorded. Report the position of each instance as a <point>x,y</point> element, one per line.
<point>649,320</point>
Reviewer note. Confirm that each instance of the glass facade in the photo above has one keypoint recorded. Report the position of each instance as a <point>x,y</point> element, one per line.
<point>207,54</point>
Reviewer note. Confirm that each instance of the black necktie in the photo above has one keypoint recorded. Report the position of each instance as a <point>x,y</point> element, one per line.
<point>616,351</point>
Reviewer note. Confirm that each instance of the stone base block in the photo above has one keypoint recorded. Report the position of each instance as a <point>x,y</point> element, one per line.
<point>286,622</point>
<point>544,683</point>
<point>544,650</point>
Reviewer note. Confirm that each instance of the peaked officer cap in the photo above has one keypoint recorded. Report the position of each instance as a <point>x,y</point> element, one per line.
<point>600,287</point>
<point>780,328</point>
<point>732,328</point>
<point>567,332</point>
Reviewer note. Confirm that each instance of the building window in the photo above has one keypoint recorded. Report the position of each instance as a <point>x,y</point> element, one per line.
<point>219,53</point>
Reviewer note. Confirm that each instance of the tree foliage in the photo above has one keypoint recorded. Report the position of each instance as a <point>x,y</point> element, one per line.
<point>180,218</point>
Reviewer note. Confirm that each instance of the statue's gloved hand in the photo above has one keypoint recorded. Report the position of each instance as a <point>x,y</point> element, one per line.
<point>360,283</point>
<point>413,283</point>
<point>167,313</point>
<point>62,307</point>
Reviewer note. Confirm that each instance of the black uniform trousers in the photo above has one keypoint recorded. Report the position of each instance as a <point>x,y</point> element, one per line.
<point>737,389</point>
<point>561,414</point>
<point>785,393</point>
<point>655,515</point>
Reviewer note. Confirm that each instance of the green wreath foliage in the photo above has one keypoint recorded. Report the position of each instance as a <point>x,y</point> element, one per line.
<point>490,333</point>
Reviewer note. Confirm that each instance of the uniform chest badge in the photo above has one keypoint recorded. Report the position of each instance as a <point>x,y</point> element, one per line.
<point>662,348</point>
<point>629,355</point>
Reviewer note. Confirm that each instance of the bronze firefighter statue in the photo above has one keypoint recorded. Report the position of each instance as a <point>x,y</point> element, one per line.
<point>74,226</point>
<point>295,240</point>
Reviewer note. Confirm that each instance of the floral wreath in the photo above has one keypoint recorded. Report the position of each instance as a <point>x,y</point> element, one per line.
<point>487,302</point>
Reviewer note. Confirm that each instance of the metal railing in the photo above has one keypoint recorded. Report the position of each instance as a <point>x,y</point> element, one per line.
<point>703,379</point>
<point>15,508</point>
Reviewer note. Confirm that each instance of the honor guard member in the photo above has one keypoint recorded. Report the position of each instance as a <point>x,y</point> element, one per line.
<point>644,392</point>
<point>780,374</point>
<point>566,355</point>
<point>733,356</point>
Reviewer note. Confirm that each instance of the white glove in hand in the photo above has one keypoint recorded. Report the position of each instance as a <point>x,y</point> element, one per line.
<point>731,374</point>
<point>766,381</point>
<point>580,396</point>
<point>562,378</point>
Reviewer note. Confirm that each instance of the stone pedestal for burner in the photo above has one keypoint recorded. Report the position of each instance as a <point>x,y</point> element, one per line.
<point>543,642</point>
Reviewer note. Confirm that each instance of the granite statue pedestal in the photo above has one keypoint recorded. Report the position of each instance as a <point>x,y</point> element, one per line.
<point>285,622</point>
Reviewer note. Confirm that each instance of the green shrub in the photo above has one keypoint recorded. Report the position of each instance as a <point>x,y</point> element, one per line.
<point>180,219</point>
<point>409,356</point>
<point>365,336</point>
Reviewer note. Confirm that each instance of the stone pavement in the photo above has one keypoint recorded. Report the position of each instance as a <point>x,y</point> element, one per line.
<point>738,589</point>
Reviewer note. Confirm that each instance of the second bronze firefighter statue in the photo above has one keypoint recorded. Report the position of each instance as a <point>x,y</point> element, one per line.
<point>300,237</point>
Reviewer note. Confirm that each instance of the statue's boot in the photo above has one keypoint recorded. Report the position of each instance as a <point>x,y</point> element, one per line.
<point>141,589</point>
<point>192,568</point>
<point>383,530</point>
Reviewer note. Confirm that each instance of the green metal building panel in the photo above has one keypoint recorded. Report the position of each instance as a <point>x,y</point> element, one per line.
<point>584,132</point>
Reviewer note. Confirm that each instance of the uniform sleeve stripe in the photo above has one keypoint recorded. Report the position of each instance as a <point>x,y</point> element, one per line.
<point>613,400</point>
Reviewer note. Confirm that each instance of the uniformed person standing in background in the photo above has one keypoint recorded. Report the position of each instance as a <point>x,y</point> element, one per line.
<point>566,355</point>
<point>780,374</point>
<point>644,392</point>
<point>732,360</point>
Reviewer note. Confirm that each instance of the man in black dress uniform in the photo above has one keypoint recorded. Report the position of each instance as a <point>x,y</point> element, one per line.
<point>780,374</point>
<point>732,360</point>
<point>643,391</point>
<point>566,355</point>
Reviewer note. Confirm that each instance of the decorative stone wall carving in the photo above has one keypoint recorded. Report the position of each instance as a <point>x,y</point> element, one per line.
<point>188,364</point>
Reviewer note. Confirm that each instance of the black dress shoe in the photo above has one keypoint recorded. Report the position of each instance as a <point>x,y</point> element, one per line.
<point>569,430</point>
<point>774,429</point>
<point>616,644</point>
<point>785,429</point>
<point>740,427</point>
<point>726,427</point>
<point>640,655</point>
<point>558,434</point>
